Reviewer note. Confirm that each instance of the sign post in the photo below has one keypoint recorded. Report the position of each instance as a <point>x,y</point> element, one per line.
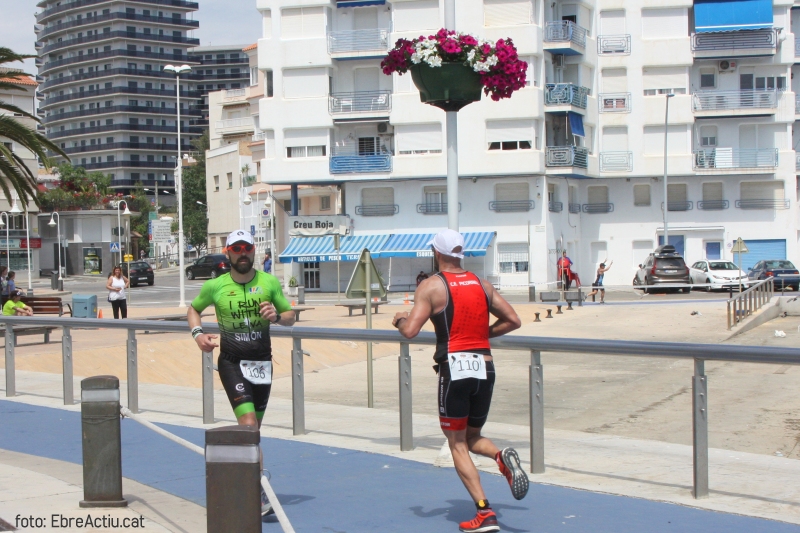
<point>337,247</point>
<point>362,285</point>
<point>739,247</point>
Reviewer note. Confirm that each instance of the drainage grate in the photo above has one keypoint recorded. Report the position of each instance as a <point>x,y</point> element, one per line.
<point>5,526</point>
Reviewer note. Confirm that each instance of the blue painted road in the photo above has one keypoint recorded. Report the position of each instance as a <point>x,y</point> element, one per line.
<point>332,490</point>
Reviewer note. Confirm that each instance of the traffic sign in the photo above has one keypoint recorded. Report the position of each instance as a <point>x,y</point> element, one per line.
<point>252,230</point>
<point>357,287</point>
<point>265,212</point>
<point>739,247</point>
<point>114,247</point>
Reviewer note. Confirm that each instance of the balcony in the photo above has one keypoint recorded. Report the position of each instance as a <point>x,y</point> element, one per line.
<point>732,44</point>
<point>377,210</point>
<point>565,94</point>
<point>713,205</point>
<point>615,103</point>
<point>566,156</point>
<point>574,208</point>
<point>555,207</point>
<point>235,94</point>
<point>564,37</point>
<point>347,160</point>
<point>358,43</point>
<point>732,158</point>
<point>797,47</point>
<point>511,206</point>
<point>797,161</point>
<point>596,209</point>
<point>797,105</point>
<point>765,203</point>
<point>616,161</point>
<point>379,102</point>
<point>259,136</point>
<point>678,206</point>
<point>734,103</point>
<point>235,125</point>
<point>608,45</point>
<point>434,208</point>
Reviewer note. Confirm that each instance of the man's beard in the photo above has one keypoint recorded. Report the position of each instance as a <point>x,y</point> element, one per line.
<point>243,265</point>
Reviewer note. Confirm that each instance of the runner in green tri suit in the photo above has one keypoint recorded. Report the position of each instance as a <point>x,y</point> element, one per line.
<point>247,302</point>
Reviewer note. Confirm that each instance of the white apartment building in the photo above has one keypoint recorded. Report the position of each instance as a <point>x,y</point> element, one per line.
<point>574,161</point>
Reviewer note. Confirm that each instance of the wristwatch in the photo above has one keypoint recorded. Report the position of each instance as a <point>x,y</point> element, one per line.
<point>277,319</point>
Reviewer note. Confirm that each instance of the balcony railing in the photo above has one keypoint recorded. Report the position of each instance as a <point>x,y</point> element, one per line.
<point>564,31</point>
<point>797,161</point>
<point>347,160</point>
<point>765,203</point>
<point>734,100</point>
<point>340,42</point>
<point>615,103</point>
<point>360,102</point>
<point>555,207</point>
<point>594,209</point>
<point>722,158</point>
<point>565,94</point>
<point>259,136</point>
<point>243,123</point>
<point>574,208</point>
<point>713,205</point>
<point>567,156</point>
<point>679,206</point>
<point>434,208</point>
<point>739,40</point>
<point>616,161</point>
<point>235,93</point>
<point>797,47</point>
<point>379,210</point>
<point>613,45</point>
<point>511,206</point>
<point>797,105</point>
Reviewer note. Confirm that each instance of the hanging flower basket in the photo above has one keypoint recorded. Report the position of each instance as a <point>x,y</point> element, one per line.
<point>450,68</point>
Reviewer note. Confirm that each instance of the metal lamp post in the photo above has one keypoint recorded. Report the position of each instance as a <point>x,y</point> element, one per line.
<point>178,179</point>
<point>57,224</point>
<point>6,224</point>
<point>452,137</point>
<point>666,199</point>
<point>28,250</point>
<point>119,226</point>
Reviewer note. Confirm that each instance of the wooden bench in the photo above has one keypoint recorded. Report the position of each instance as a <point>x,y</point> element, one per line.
<point>299,309</point>
<point>362,306</point>
<point>46,305</point>
<point>21,331</point>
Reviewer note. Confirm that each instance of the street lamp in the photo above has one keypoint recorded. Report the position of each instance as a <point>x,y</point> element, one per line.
<point>57,224</point>
<point>178,178</point>
<point>666,200</point>
<point>119,226</point>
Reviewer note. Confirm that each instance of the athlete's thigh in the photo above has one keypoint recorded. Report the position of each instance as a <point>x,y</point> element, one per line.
<point>261,398</point>
<point>480,400</point>
<point>453,398</point>
<point>238,389</point>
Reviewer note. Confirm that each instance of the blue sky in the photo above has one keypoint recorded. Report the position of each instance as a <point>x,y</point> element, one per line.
<point>221,22</point>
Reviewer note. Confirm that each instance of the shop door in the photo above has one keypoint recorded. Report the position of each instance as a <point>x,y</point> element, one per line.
<point>311,276</point>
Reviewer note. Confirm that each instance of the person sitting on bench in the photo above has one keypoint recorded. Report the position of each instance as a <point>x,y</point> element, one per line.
<point>13,307</point>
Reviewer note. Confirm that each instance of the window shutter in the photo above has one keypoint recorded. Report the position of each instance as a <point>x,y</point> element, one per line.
<point>512,252</point>
<point>762,190</point>
<point>414,137</point>
<point>413,16</point>
<point>269,143</point>
<point>641,194</point>
<point>664,78</point>
<point>615,139</point>
<point>377,196</point>
<point>598,194</point>
<point>292,23</point>
<point>509,130</point>
<point>313,22</point>
<point>307,137</point>
<point>665,23</point>
<point>266,23</point>
<point>677,192</point>
<point>712,192</point>
<point>511,192</point>
<point>507,12</point>
<point>612,22</point>
<point>615,80</point>
<point>305,83</point>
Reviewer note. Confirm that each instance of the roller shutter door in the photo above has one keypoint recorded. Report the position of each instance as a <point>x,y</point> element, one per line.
<point>760,250</point>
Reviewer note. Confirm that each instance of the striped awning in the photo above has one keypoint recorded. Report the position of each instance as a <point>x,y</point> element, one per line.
<point>418,244</point>
<point>321,250</point>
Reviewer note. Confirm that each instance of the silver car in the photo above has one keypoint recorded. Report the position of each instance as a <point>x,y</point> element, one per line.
<point>717,275</point>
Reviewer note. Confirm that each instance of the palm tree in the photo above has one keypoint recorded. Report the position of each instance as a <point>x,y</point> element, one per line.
<point>14,174</point>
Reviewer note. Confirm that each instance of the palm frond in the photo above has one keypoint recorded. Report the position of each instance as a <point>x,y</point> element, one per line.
<point>14,109</point>
<point>30,139</point>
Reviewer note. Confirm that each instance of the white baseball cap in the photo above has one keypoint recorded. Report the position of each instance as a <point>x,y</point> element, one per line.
<point>449,242</point>
<point>239,235</point>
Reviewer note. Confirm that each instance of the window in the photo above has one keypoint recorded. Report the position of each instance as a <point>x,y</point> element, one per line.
<point>761,190</point>
<point>216,183</point>
<point>305,151</point>
<point>302,23</point>
<point>253,76</point>
<point>374,196</point>
<point>287,205</point>
<point>641,194</point>
<point>708,78</point>
<point>512,257</point>
<point>436,197</point>
<point>415,139</point>
<point>230,180</point>
<point>664,80</point>
<point>306,143</point>
<point>266,23</point>
<point>713,193</point>
<point>507,12</point>
<point>532,74</point>
<point>324,203</point>
<point>615,80</point>
<point>511,134</point>
<point>414,16</point>
<point>612,22</point>
<point>268,85</point>
<point>305,82</point>
<point>677,196</point>
<point>665,23</point>
<point>512,192</point>
<point>598,194</point>
<point>708,136</point>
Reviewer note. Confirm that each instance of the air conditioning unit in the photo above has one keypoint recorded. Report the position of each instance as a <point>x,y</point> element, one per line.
<point>727,66</point>
<point>558,61</point>
<point>383,127</point>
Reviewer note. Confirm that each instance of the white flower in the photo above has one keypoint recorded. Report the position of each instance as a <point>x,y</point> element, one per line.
<point>416,59</point>
<point>471,56</point>
<point>480,66</point>
<point>434,61</point>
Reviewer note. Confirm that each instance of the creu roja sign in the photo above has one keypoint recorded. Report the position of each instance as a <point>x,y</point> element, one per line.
<point>319,225</point>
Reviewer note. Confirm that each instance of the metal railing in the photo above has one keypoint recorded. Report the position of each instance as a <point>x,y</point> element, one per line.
<point>748,302</point>
<point>555,207</point>
<point>797,105</point>
<point>734,100</point>
<point>615,102</point>
<point>259,136</point>
<point>360,101</point>
<point>243,123</point>
<point>699,353</point>
<point>713,205</point>
<point>739,40</point>
<point>721,158</point>
<point>235,93</point>
<point>763,203</point>
<point>616,161</point>
<point>565,94</point>
<point>347,160</point>
<point>567,156</point>
<point>613,44</point>
<point>511,206</point>
<point>377,210</point>
<point>574,208</point>
<point>434,208</point>
<point>595,209</point>
<point>797,161</point>
<point>797,47</point>
<point>560,31</point>
<point>686,205</point>
<point>341,42</point>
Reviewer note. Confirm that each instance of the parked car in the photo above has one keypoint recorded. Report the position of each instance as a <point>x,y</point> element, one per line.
<point>209,266</point>
<point>785,273</point>
<point>663,267</point>
<point>141,272</point>
<point>717,275</point>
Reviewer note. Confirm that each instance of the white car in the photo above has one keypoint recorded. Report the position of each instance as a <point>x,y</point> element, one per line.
<point>717,275</point>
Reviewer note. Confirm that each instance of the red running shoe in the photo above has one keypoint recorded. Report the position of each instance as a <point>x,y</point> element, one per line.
<point>484,521</point>
<point>508,462</point>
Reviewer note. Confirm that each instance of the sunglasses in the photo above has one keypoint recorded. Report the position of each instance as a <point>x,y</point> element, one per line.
<point>241,248</point>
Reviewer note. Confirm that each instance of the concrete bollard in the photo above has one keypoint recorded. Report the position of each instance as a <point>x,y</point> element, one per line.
<point>569,306</point>
<point>233,480</point>
<point>102,448</point>
<point>559,310</point>
<point>537,317</point>
<point>549,313</point>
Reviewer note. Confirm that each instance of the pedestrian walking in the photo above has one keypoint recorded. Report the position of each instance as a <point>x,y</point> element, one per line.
<point>268,263</point>
<point>116,285</point>
<point>565,270</point>
<point>459,303</point>
<point>3,284</point>
<point>247,303</point>
<point>597,286</point>
<point>14,307</point>
<point>422,276</point>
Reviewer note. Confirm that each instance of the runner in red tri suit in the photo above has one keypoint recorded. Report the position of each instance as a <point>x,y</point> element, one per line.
<point>459,303</point>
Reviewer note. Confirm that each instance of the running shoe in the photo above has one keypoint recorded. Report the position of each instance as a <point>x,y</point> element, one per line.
<point>266,507</point>
<point>508,462</point>
<point>484,521</point>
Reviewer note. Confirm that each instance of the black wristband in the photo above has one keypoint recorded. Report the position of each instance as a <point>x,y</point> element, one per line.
<point>277,319</point>
<point>397,322</point>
